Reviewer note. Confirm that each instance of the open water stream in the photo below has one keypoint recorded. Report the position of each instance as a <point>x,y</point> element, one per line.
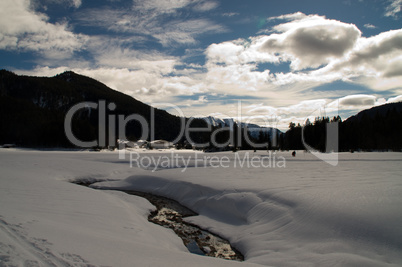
<point>170,214</point>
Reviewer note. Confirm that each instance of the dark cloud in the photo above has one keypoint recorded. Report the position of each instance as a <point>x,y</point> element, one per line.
<point>312,40</point>
<point>358,100</point>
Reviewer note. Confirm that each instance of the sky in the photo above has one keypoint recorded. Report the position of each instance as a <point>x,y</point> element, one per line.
<point>267,62</point>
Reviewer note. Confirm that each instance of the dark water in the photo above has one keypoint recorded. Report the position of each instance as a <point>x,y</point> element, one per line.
<point>170,214</point>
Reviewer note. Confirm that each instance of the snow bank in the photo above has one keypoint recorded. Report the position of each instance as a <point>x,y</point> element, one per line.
<point>304,214</point>
<point>229,207</point>
<point>47,221</point>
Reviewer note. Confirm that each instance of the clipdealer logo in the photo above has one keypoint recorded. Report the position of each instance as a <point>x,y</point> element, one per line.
<point>120,122</point>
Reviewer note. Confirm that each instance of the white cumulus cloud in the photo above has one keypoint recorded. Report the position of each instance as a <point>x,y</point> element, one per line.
<point>318,51</point>
<point>375,62</point>
<point>23,29</point>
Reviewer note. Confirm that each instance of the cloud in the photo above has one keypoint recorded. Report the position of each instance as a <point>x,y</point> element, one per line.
<point>77,3</point>
<point>394,68</point>
<point>171,6</point>
<point>43,3</point>
<point>383,45</point>
<point>357,100</point>
<point>146,84</point>
<point>314,51</point>
<point>369,26</point>
<point>311,41</point>
<point>155,88</point>
<point>289,17</point>
<point>318,51</point>
<point>204,6</point>
<point>23,29</point>
<point>154,20</point>
<point>374,62</point>
<point>280,117</point>
<point>167,6</point>
<point>202,101</point>
<point>237,67</point>
<point>393,8</point>
<point>345,106</point>
<point>185,32</point>
<point>226,52</point>
<point>230,14</point>
<point>303,108</point>
<point>395,99</point>
<point>112,53</point>
<point>307,43</point>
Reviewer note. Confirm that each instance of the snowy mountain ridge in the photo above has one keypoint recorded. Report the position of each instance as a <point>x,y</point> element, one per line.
<point>252,128</point>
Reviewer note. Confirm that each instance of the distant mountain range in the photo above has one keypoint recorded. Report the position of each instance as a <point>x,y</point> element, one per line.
<point>33,112</point>
<point>253,129</point>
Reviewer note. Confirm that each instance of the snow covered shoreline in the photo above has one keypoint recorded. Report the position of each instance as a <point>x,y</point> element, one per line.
<point>308,213</point>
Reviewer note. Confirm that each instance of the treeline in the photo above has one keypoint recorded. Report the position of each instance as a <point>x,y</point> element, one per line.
<point>379,128</point>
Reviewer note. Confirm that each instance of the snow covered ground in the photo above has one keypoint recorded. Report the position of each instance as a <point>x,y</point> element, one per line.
<point>300,212</point>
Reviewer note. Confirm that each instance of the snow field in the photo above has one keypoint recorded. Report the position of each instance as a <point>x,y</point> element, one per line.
<point>308,213</point>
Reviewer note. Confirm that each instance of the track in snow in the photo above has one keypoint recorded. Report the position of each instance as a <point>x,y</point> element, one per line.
<point>16,249</point>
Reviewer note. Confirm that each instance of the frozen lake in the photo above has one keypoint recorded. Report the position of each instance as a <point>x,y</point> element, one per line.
<point>278,210</point>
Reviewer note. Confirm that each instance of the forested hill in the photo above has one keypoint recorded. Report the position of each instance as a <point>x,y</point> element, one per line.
<point>378,111</point>
<point>33,109</point>
<point>378,128</point>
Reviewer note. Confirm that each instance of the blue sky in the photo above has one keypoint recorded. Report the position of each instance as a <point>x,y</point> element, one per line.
<point>264,61</point>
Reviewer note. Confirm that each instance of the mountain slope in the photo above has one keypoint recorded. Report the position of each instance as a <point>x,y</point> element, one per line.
<point>32,110</point>
<point>378,128</point>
